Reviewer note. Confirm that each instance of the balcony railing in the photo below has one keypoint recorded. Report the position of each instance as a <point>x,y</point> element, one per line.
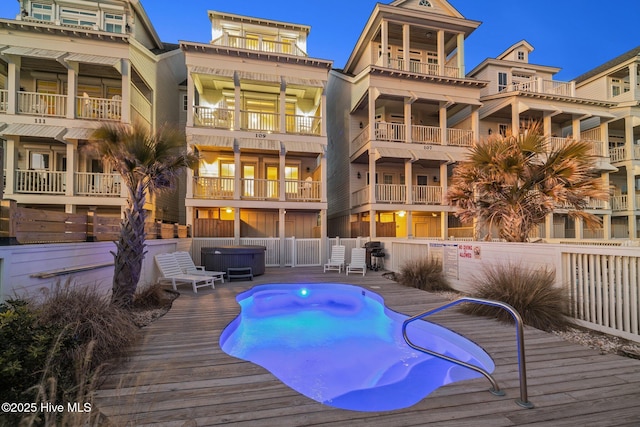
<point>391,193</point>
<point>253,120</point>
<point>40,182</point>
<point>206,187</point>
<point>99,108</point>
<point>42,104</point>
<point>360,197</point>
<point>460,137</point>
<point>619,203</point>
<point>213,117</point>
<point>549,87</point>
<point>596,149</point>
<point>427,194</point>
<point>426,134</point>
<point>98,184</point>
<point>259,44</point>
<point>390,131</point>
<point>302,190</point>
<point>259,189</point>
<point>418,67</point>
<point>303,125</point>
<point>360,140</point>
<point>619,154</point>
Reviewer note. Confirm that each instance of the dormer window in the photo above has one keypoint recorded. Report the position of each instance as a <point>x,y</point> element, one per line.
<point>41,12</point>
<point>520,55</point>
<point>78,17</point>
<point>113,23</point>
<point>425,3</point>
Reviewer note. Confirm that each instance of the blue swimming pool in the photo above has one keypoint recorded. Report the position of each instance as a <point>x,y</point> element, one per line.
<point>339,345</point>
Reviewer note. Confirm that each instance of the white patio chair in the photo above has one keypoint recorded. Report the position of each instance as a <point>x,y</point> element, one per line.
<point>358,262</point>
<point>171,272</point>
<point>336,262</point>
<point>188,267</point>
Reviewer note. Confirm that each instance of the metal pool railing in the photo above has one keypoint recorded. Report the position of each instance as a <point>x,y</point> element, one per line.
<point>495,389</point>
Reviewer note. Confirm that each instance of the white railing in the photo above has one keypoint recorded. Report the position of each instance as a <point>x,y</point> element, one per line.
<point>206,187</point>
<point>303,125</point>
<point>617,154</point>
<point>98,108</point>
<point>554,87</point>
<point>98,184</point>
<point>426,134</point>
<point>4,100</point>
<point>451,71</point>
<point>604,289</point>
<point>360,140</point>
<point>304,252</point>
<point>460,137</point>
<point>361,197</point>
<point>252,120</point>
<point>554,143</point>
<point>414,66</point>
<point>213,117</point>
<point>259,44</point>
<point>306,191</point>
<point>259,189</point>
<point>390,131</point>
<point>427,194</point>
<point>591,135</point>
<point>42,104</point>
<point>619,202</point>
<point>391,193</point>
<point>40,181</point>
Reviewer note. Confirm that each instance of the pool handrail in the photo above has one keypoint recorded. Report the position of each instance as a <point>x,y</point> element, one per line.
<point>495,389</point>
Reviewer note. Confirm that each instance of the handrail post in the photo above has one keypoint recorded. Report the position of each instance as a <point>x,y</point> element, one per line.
<point>523,401</point>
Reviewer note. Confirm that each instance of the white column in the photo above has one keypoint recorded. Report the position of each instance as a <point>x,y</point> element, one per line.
<point>475,122</point>
<point>125,70</point>
<point>190,183</point>
<point>72,161</point>
<point>460,56</point>
<point>442,56</point>
<point>323,109</point>
<point>236,225</point>
<point>282,235</point>
<point>282,185</point>
<point>323,175</point>
<point>406,46</point>
<point>409,220</point>
<point>444,225</point>
<point>372,176</point>
<point>579,225</point>
<point>13,83</point>
<point>546,123</point>
<point>633,79</point>
<point>407,119</point>
<point>237,183</point>
<point>372,224</point>
<point>72,89</point>
<point>548,226</point>
<point>238,99</point>
<point>575,128</point>
<point>444,181</point>
<point>191,97</point>
<point>384,36</point>
<point>515,119</point>
<point>189,219</point>
<point>12,164</point>
<point>372,114</point>
<point>408,181</point>
<point>442,112</point>
<point>283,107</point>
<point>606,226</point>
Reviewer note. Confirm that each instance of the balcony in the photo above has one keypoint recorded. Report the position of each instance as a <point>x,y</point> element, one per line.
<point>259,44</point>
<point>53,105</point>
<point>620,202</point>
<point>419,67</point>
<point>543,86</point>
<point>597,147</point>
<point>397,193</point>
<point>620,154</point>
<point>396,132</point>
<point>54,183</point>
<point>224,118</point>
<point>214,188</point>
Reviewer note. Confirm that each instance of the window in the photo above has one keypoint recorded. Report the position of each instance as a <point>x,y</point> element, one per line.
<point>425,3</point>
<point>39,161</point>
<point>113,23</point>
<point>502,129</point>
<point>83,18</point>
<point>520,55</point>
<point>41,12</point>
<point>387,178</point>
<point>502,81</point>
<point>185,102</point>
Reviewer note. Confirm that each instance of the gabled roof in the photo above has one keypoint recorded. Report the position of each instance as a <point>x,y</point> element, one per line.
<point>522,43</point>
<point>438,6</point>
<point>610,64</point>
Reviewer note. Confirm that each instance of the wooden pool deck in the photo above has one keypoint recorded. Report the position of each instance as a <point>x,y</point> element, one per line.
<point>179,376</point>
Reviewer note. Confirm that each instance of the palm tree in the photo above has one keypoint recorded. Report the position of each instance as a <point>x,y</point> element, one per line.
<point>513,182</point>
<point>148,164</point>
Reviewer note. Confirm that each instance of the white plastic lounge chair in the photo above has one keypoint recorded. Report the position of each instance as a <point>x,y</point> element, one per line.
<point>171,272</point>
<point>188,267</point>
<point>358,263</point>
<point>336,262</point>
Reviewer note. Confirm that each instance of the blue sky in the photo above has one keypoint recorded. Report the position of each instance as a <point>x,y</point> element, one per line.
<point>575,35</point>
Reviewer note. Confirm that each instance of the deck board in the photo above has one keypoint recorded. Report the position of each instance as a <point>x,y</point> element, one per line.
<point>178,372</point>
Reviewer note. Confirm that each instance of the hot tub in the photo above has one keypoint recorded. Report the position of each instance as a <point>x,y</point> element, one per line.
<point>221,258</point>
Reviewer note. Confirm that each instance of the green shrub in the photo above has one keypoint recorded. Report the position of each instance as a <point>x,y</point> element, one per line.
<point>530,291</point>
<point>425,274</point>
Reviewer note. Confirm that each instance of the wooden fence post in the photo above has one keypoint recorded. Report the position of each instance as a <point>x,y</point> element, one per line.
<point>7,222</point>
<point>91,225</point>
